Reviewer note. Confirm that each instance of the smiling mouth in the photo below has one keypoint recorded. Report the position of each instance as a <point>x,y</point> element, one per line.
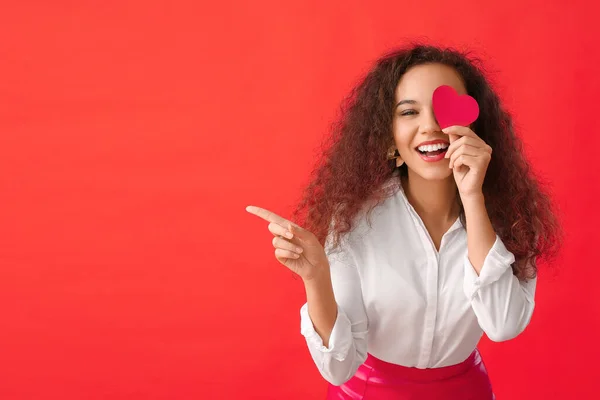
<point>432,153</point>
<point>433,149</point>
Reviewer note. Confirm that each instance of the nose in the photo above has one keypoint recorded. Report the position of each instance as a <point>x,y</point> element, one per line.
<point>429,123</point>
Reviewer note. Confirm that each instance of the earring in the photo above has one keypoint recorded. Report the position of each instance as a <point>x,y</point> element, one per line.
<point>395,154</point>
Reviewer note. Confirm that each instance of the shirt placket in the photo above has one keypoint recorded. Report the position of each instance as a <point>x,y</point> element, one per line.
<point>431,289</point>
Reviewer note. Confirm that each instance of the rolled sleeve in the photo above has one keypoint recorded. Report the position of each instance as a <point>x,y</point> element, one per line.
<point>497,261</point>
<point>340,340</point>
<point>502,303</point>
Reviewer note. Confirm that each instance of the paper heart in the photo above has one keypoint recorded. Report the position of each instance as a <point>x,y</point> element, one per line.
<point>451,109</point>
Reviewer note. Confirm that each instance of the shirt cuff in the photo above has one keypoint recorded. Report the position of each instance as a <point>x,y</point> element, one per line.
<point>340,339</point>
<point>497,261</point>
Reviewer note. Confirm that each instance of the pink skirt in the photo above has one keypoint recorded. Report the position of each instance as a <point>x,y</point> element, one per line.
<point>378,380</point>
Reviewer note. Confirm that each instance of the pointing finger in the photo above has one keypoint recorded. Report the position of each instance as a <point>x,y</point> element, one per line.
<point>267,215</point>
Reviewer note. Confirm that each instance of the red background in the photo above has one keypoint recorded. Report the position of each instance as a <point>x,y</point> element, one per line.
<point>133,134</point>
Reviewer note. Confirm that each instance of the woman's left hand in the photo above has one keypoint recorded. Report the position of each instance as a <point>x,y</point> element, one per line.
<point>469,158</point>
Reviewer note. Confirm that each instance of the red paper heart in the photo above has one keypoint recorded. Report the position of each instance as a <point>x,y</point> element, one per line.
<point>451,109</point>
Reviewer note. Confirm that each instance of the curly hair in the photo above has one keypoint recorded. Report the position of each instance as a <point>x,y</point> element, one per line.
<point>354,167</point>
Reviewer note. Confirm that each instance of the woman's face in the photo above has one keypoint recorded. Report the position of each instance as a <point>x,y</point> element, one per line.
<point>414,122</point>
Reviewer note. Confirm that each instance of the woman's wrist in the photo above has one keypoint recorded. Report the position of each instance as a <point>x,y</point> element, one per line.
<point>321,277</point>
<point>473,200</point>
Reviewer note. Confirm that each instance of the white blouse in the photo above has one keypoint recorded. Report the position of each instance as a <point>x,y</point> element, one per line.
<point>404,302</point>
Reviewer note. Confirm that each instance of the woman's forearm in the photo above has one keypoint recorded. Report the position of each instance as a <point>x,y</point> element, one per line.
<point>322,307</point>
<point>480,233</point>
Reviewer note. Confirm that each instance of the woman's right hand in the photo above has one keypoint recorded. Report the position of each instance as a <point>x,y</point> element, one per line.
<point>295,247</point>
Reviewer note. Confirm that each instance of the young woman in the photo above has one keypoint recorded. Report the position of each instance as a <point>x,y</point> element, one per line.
<point>416,240</point>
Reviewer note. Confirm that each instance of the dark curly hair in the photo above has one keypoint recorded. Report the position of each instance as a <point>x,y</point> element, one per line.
<point>354,166</point>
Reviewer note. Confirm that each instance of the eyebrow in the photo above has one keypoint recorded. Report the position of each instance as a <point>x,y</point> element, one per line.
<point>405,102</point>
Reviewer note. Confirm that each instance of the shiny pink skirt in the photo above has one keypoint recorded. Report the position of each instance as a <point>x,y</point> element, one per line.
<point>378,380</point>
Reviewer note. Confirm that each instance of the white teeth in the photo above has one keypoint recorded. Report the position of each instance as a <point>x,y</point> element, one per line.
<point>433,147</point>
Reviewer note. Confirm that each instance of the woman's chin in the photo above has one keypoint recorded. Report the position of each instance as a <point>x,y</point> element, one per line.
<point>433,173</point>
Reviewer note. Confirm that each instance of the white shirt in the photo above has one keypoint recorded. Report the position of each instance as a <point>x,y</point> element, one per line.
<point>406,303</point>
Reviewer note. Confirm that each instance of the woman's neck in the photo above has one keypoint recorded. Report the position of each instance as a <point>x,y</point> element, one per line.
<point>435,200</point>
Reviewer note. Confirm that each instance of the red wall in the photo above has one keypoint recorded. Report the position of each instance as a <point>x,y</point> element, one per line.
<point>133,134</point>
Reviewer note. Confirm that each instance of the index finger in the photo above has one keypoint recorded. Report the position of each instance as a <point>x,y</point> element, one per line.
<point>459,130</point>
<point>268,216</point>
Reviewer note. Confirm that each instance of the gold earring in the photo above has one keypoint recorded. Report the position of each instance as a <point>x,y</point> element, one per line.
<point>395,154</point>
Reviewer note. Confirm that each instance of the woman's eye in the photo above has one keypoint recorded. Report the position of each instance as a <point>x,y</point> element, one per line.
<point>408,112</point>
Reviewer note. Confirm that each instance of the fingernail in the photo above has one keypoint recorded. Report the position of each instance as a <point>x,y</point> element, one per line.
<point>288,235</point>
<point>296,255</point>
<point>298,249</point>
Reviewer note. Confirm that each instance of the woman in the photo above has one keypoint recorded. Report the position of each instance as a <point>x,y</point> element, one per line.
<point>415,239</point>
